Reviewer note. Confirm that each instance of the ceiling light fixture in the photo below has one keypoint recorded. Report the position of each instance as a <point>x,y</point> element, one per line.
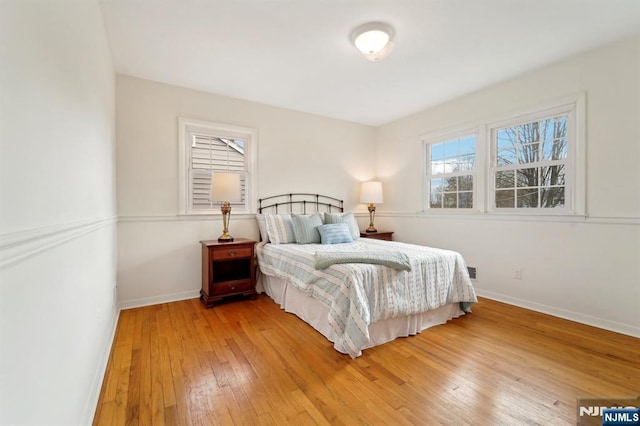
<point>373,39</point>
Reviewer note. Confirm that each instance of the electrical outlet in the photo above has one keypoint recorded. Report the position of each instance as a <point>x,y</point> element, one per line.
<point>517,274</point>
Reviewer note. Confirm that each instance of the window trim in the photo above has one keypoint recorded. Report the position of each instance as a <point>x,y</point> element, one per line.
<point>574,107</point>
<point>430,139</point>
<point>217,129</point>
<point>483,190</point>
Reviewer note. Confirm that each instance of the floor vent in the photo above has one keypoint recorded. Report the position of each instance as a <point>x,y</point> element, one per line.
<point>472,272</point>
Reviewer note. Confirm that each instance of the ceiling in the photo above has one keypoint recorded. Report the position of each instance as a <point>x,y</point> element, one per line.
<point>296,54</point>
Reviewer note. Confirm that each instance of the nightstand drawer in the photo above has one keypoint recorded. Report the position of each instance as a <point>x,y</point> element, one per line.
<point>231,253</point>
<point>384,235</point>
<point>231,287</point>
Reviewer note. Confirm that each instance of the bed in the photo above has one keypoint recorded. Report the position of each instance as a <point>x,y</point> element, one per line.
<point>359,292</point>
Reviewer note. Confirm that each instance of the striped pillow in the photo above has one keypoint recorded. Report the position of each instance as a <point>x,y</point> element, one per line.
<point>335,233</point>
<point>262,227</point>
<point>347,218</point>
<point>280,228</point>
<point>304,228</point>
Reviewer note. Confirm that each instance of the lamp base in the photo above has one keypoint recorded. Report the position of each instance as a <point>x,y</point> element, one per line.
<point>372,215</point>
<point>225,238</point>
<point>225,209</point>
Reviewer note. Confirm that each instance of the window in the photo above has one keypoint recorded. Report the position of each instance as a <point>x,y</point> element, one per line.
<point>207,148</point>
<point>530,162</point>
<point>450,172</point>
<point>537,161</point>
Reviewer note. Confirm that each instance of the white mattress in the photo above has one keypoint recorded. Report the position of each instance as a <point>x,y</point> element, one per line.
<point>315,314</point>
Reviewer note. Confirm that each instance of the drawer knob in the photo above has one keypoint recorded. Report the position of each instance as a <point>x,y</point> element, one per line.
<point>232,253</point>
<point>233,287</point>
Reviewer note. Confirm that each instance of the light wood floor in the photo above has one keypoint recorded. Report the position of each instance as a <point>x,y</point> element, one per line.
<point>248,362</point>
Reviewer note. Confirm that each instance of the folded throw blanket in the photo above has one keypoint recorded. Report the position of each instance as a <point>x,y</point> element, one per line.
<point>395,260</point>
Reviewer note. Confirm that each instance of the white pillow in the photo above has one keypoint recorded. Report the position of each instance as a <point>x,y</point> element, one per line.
<point>280,228</point>
<point>262,226</point>
<point>304,228</point>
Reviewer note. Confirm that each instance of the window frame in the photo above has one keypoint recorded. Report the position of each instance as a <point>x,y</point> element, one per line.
<point>484,180</point>
<point>187,126</point>
<point>430,139</point>
<point>573,108</point>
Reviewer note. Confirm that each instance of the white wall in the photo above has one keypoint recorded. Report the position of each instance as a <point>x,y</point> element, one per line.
<point>57,210</point>
<point>158,251</point>
<point>57,231</point>
<point>588,270</point>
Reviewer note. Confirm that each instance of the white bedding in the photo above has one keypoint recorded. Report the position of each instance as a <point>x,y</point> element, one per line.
<point>315,314</point>
<point>361,305</point>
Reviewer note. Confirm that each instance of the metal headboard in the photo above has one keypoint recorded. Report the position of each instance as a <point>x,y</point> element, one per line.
<point>299,202</point>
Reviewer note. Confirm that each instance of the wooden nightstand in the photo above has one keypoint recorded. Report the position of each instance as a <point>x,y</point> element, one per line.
<point>377,235</point>
<point>228,269</point>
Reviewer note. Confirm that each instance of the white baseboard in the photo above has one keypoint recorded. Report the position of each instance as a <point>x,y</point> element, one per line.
<point>156,300</point>
<point>98,377</point>
<point>617,327</point>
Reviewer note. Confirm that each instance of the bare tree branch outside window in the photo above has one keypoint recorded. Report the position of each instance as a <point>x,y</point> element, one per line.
<point>530,164</point>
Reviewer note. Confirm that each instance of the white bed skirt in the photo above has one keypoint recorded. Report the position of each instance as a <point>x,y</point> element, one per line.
<point>315,314</point>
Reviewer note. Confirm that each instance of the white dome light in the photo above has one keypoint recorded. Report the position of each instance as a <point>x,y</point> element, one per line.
<point>373,40</point>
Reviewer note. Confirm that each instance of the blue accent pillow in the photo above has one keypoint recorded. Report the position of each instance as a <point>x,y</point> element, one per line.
<point>304,228</point>
<point>347,218</point>
<point>335,233</point>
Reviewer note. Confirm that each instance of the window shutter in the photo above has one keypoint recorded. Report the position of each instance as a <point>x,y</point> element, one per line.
<point>210,154</point>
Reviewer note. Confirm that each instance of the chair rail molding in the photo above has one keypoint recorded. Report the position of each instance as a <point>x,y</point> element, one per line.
<point>587,219</point>
<point>17,246</point>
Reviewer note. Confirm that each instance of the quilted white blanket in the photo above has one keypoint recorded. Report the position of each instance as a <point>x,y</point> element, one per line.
<point>358,295</point>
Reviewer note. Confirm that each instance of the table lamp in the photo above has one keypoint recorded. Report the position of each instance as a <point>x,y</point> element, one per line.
<point>226,189</point>
<point>371,193</point>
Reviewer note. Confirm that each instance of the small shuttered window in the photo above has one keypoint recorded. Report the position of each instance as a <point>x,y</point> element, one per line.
<point>214,154</point>
<point>207,148</point>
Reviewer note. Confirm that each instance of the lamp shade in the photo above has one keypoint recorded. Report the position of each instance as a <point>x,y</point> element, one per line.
<point>225,187</point>
<point>371,193</point>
